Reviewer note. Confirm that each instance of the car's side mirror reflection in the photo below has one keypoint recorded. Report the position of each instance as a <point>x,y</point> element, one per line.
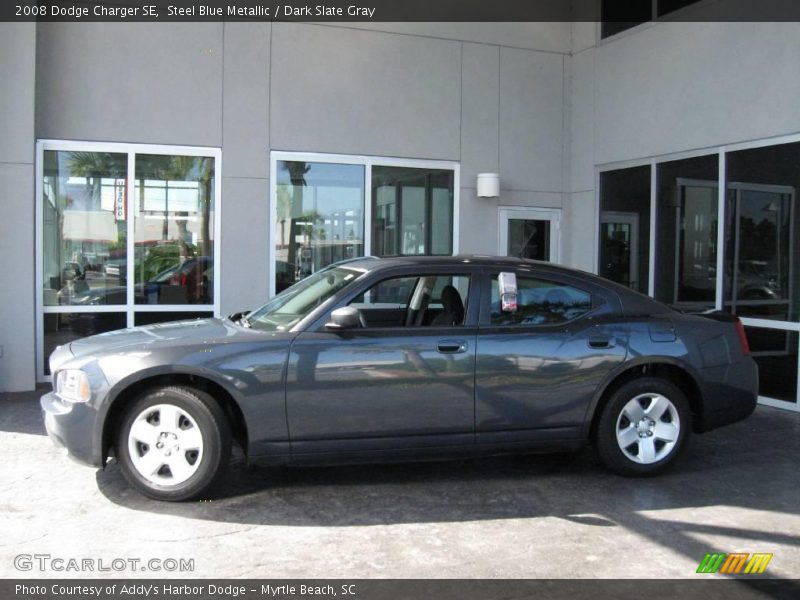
<point>346,317</point>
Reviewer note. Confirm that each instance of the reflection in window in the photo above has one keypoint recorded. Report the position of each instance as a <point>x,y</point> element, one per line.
<point>625,227</point>
<point>320,217</point>
<point>174,222</point>
<point>686,263</point>
<point>761,250</point>
<point>153,318</point>
<point>412,211</point>
<point>84,228</point>
<point>63,328</point>
<point>541,302</point>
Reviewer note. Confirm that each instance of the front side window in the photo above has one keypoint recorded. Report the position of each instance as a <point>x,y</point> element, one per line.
<point>540,302</point>
<point>415,301</point>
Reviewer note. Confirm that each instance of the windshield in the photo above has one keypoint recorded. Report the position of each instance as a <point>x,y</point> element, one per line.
<point>291,305</point>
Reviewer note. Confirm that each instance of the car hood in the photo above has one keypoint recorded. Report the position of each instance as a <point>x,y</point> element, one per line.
<point>173,333</point>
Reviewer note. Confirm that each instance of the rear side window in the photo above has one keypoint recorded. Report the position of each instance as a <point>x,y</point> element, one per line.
<point>541,302</point>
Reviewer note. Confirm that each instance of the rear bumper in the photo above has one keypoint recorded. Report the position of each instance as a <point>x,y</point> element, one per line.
<point>732,399</point>
<point>71,427</point>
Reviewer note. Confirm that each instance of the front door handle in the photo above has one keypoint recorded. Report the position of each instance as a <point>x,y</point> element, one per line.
<point>451,346</point>
<point>598,341</point>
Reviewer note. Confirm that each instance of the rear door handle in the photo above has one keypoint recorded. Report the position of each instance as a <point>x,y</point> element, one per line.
<point>451,346</point>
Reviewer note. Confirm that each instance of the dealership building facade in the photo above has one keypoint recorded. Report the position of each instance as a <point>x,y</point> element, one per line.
<point>160,171</point>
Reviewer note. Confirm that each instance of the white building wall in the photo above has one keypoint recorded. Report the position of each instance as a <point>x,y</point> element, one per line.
<point>17,74</point>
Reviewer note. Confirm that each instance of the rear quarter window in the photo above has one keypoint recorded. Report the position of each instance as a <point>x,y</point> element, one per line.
<point>541,302</point>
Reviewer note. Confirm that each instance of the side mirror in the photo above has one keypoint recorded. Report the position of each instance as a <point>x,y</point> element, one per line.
<point>507,283</point>
<point>238,315</point>
<point>346,317</point>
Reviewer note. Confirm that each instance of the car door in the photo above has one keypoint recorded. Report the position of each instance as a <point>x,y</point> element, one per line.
<point>404,381</point>
<point>538,368</point>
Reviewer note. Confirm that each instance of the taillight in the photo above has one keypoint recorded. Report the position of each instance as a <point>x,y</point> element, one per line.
<point>742,336</point>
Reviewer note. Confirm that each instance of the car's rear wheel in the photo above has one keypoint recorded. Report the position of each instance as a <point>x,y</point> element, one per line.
<point>174,443</point>
<point>644,427</point>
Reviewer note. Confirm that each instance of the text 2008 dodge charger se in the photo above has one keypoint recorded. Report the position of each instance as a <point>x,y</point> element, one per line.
<point>403,358</point>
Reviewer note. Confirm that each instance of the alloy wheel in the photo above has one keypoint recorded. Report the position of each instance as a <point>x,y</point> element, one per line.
<point>648,428</point>
<point>165,444</point>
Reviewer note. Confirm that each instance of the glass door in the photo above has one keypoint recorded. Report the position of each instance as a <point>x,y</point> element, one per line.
<point>529,233</point>
<point>759,283</point>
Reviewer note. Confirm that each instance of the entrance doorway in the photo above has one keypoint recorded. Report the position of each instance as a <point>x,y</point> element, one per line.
<point>529,233</point>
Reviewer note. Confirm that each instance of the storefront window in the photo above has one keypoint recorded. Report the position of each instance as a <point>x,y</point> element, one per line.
<point>63,328</point>
<point>117,236</point>
<point>84,229</point>
<point>686,262</point>
<point>625,227</point>
<point>173,208</point>
<point>320,217</point>
<point>775,351</point>
<point>759,271</point>
<point>423,200</point>
<point>761,247</point>
<point>320,208</point>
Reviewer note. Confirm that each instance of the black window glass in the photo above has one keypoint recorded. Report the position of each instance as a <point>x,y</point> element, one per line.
<point>762,253</point>
<point>686,236</point>
<point>619,15</point>
<point>625,227</point>
<point>541,302</point>
<point>412,211</point>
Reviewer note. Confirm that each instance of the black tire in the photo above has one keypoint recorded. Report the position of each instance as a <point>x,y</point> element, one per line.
<point>627,461</point>
<point>215,435</point>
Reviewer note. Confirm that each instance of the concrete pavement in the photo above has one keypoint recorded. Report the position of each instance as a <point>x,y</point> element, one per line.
<point>736,489</point>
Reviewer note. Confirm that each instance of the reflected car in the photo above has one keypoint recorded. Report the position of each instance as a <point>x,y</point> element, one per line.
<point>472,356</point>
<point>188,282</point>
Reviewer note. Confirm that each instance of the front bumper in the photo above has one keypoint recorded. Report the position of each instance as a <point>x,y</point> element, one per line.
<point>72,427</point>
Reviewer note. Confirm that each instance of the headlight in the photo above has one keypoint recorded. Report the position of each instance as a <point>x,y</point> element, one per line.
<point>73,385</point>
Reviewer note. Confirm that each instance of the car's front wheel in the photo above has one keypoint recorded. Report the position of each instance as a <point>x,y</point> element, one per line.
<point>173,443</point>
<point>644,427</point>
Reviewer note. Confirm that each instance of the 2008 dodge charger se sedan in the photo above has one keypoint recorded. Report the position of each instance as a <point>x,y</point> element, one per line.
<point>403,358</point>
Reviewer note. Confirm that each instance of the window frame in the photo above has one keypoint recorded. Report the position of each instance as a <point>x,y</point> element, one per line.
<point>367,162</point>
<point>129,308</point>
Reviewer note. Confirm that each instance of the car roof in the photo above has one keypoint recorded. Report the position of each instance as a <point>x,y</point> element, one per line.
<point>371,263</point>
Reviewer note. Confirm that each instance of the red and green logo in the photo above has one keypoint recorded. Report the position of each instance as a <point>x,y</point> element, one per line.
<point>735,563</point>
